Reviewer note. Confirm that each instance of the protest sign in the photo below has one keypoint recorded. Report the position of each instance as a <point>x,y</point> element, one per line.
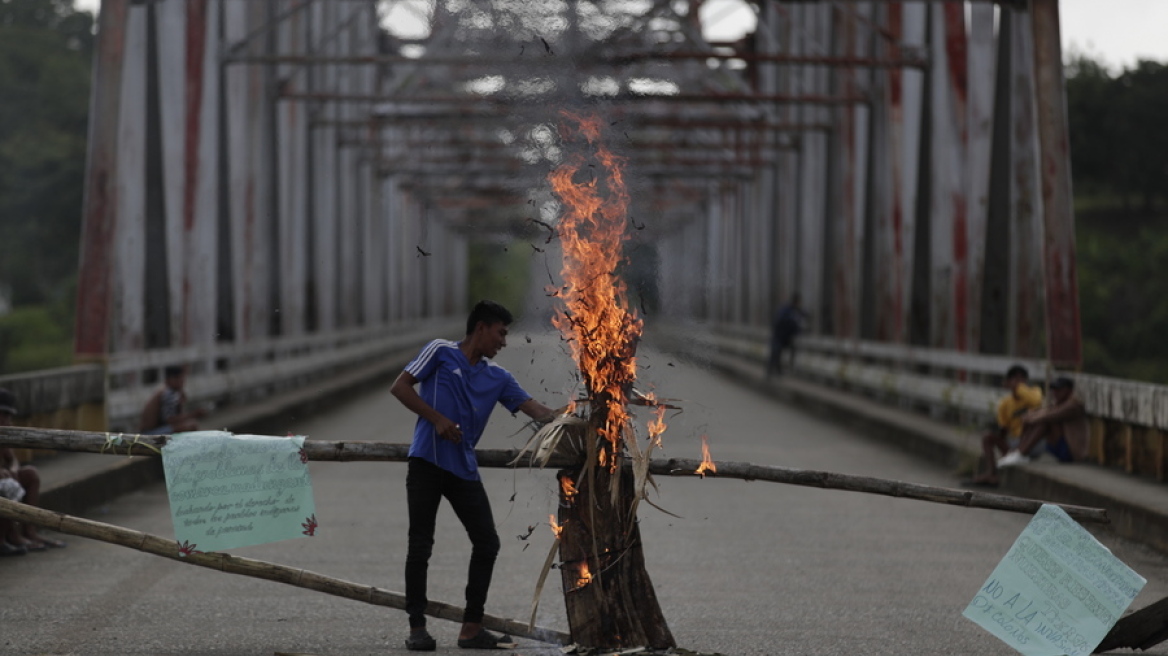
<point>230,491</point>
<point>1057,592</point>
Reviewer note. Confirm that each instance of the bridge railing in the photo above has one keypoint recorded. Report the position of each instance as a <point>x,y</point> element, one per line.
<point>68,398</point>
<point>110,396</point>
<point>234,374</point>
<point>1128,418</point>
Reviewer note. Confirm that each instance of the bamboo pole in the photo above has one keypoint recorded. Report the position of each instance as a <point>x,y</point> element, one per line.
<point>342,451</point>
<point>300,578</point>
<point>883,486</point>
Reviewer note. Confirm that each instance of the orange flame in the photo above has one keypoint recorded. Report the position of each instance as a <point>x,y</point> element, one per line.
<point>656,426</point>
<point>707,462</point>
<point>583,576</point>
<point>596,320</point>
<point>567,488</point>
<point>556,528</point>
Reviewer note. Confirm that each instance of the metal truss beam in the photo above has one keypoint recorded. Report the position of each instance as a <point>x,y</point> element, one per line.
<point>779,99</point>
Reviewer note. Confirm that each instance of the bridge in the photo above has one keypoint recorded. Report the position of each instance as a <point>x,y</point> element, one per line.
<point>284,196</point>
<point>288,200</point>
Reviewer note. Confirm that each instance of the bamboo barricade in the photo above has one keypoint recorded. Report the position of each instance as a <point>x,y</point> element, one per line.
<point>300,578</point>
<point>326,450</point>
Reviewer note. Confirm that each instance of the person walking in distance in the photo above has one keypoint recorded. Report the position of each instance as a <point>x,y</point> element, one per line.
<point>458,386</point>
<point>788,322</point>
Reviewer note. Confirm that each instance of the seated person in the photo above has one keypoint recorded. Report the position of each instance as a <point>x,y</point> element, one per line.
<point>165,412</point>
<point>1062,426</point>
<point>1007,434</point>
<point>11,543</point>
<point>28,480</point>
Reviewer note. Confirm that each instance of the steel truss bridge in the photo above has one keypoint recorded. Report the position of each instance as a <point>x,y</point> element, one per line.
<point>279,190</point>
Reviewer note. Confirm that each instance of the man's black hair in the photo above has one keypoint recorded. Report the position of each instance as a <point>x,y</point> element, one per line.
<point>488,312</point>
<point>174,371</point>
<point>1018,370</point>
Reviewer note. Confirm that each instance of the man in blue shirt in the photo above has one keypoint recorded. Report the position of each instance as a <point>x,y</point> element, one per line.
<point>458,387</point>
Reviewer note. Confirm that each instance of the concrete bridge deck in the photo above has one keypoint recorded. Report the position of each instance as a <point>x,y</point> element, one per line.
<point>748,568</point>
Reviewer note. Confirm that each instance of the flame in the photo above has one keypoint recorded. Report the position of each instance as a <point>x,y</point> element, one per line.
<point>556,528</point>
<point>656,426</point>
<point>567,488</point>
<point>707,462</point>
<point>583,576</point>
<point>596,319</point>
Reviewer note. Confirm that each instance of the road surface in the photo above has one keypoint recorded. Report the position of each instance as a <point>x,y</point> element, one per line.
<point>746,568</point>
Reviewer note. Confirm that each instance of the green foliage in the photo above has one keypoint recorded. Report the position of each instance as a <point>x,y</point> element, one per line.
<point>36,337</point>
<point>1119,157</point>
<point>45,63</point>
<point>1124,315</point>
<point>1119,144</point>
<point>500,271</point>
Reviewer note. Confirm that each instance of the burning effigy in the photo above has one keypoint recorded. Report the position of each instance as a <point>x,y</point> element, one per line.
<point>608,595</point>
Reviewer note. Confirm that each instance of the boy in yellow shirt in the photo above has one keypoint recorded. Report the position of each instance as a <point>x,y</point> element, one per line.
<point>1022,399</point>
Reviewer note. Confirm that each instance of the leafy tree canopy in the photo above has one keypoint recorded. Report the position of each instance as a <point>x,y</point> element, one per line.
<point>45,66</point>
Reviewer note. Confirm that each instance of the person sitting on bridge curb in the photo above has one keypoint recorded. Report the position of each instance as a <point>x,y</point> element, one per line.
<point>165,412</point>
<point>789,321</point>
<point>1062,426</point>
<point>1007,433</point>
<point>29,481</point>
<point>460,386</point>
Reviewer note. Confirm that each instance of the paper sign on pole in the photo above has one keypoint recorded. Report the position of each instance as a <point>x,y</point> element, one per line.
<point>1057,592</point>
<point>229,491</point>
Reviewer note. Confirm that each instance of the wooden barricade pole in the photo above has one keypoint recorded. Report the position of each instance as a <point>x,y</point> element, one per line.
<point>300,578</point>
<point>344,451</point>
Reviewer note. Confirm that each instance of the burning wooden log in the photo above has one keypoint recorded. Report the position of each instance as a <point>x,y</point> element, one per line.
<point>300,578</point>
<point>602,566</point>
<point>343,451</point>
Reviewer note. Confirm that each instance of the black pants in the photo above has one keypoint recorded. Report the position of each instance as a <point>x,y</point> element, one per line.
<point>426,484</point>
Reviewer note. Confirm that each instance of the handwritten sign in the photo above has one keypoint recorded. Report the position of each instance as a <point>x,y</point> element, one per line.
<point>230,491</point>
<point>1057,592</point>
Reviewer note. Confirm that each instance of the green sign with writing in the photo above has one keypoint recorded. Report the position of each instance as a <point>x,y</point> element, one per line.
<point>229,491</point>
<point>1057,592</point>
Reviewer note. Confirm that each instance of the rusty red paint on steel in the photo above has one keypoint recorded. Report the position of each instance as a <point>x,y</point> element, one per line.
<point>961,279</point>
<point>845,273</point>
<point>896,118</point>
<point>99,219</point>
<point>1064,340</point>
<point>957,58</point>
<point>957,52</point>
<point>196,25</point>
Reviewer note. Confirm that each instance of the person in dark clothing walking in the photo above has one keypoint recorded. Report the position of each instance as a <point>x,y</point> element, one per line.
<point>788,323</point>
<point>459,386</point>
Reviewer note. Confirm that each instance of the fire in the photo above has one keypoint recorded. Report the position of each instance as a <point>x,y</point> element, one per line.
<point>707,462</point>
<point>556,528</point>
<point>656,426</point>
<point>568,488</point>
<point>583,576</point>
<point>597,320</point>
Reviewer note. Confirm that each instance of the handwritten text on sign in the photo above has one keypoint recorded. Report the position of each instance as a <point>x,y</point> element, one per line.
<point>230,491</point>
<point>1058,590</point>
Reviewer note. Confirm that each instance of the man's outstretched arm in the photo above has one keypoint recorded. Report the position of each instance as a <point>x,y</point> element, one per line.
<point>537,411</point>
<point>403,390</point>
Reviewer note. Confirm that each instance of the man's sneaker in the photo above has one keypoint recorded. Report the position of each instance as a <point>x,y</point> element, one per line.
<point>487,640</point>
<point>1012,459</point>
<point>421,641</point>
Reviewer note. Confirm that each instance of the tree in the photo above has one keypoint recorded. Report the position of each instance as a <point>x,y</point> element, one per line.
<point>45,61</point>
<point>1141,103</point>
<point>1090,123</point>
